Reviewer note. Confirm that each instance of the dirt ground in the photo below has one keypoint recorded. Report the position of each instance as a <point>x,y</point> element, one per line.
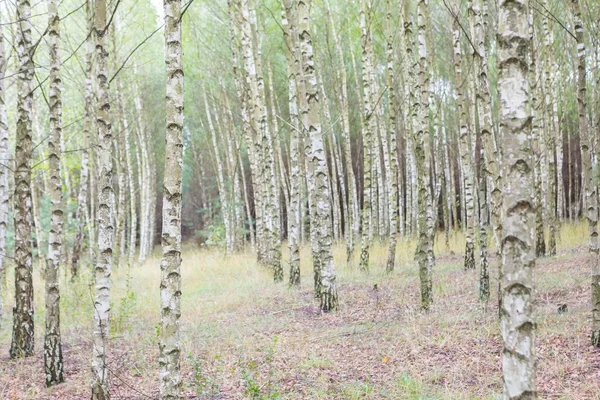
<point>244,337</point>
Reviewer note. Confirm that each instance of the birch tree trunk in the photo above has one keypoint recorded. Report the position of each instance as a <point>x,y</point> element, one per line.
<point>223,195</point>
<point>130,183</point>
<point>466,154</point>
<point>290,36</point>
<point>489,156</point>
<point>311,119</point>
<point>551,129</point>
<point>82,215</point>
<point>53,359</point>
<point>105,212</point>
<point>517,321</point>
<point>536,143</point>
<point>144,177</point>
<point>242,78</point>
<point>591,198</point>
<point>22,344</point>
<point>235,168</point>
<point>407,59</point>
<point>39,185</point>
<point>392,176</point>
<point>255,94</point>
<point>369,129</point>
<point>281,186</point>
<point>448,182</point>
<point>353,216</point>
<point>170,265</point>
<point>425,229</point>
<point>4,170</point>
<point>120,162</point>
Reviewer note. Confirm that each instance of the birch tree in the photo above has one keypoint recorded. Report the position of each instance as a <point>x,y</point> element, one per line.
<point>318,159</point>
<point>393,149</point>
<point>517,323</point>
<point>466,152</point>
<point>591,196</point>
<point>425,228</point>
<point>489,157</point>
<point>104,212</point>
<point>170,266</point>
<point>369,128</point>
<point>22,344</point>
<point>82,214</point>
<point>53,359</point>
<point>4,170</point>
<point>290,36</point>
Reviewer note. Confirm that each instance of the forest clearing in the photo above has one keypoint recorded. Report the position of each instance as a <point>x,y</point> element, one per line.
<point>272,340</point>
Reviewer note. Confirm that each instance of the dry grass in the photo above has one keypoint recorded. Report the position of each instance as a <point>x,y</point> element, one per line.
<point>242,333</point>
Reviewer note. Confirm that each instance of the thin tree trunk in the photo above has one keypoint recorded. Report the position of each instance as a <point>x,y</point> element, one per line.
<point>234,167</point>
<point>105,212</point>
<point>466,154</point>
<point>537,145</point>
<point>255,95</point>
<point>120,163</point>
<point>550,135</point>
<point>425,229</point>
<point>489,157</point>
<point>352,215</point>
<point>22,344</point>
<point>144,178</point>
<point>318,162</point>
<point>4,171</point>
<point>131,185</point>
<point>591,198</point>
<point>53,359</point>
<point>170,287</point>
<point>294,221</point>
<point>517,323</point>
<point>222,189</point>
<point>82,215</point>
<point>369,128</point>
<point>281,183</point>
<point>392,176</point>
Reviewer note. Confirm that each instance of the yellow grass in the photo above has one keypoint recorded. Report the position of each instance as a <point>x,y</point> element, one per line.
<point>378,345</point>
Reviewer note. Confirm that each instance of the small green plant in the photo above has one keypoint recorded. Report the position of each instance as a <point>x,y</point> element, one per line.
<point>410,388</point>
<point>251,375</point>
<point>251,388</point>
<point>206,375</point>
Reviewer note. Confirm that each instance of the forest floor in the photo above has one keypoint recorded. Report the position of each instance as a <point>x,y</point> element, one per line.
<point>245,337</point>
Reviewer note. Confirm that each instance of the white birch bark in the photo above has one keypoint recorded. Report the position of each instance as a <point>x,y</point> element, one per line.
<point>591,195</point>
<point>104,214</point>
<point>517,323</point>
<point>466,154</point>
<point>353,214</point>
<point>392,173</point>
<point>312,124</point>
<point>4,170</point>
<point>22,344</point>
<point>83,215</point>
<point>425,228</point>
<point>53,359</point>
<point>130,184</point>
<point>294,225</point>
<point>369,128</point>
<point>170,265</point>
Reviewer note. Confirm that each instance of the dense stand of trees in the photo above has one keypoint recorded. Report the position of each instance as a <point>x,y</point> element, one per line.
<point>306,122</point>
